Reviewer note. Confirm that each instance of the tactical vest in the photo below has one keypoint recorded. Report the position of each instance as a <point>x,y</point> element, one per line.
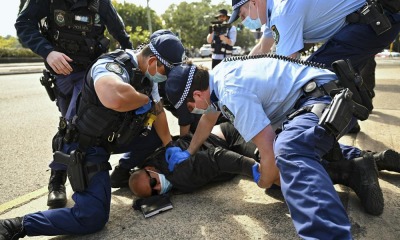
<point>218,47</point>
<point>101,126</point>
<point>77,32</point>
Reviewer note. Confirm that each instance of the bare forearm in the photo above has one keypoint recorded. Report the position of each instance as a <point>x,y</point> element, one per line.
<point>162,129</point>
<point>203,130</point>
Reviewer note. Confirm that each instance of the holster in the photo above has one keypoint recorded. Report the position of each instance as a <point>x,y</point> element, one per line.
<point>348,78</point>
<point>340,112</point>
<point>47,81</point>
<point>77,175</point>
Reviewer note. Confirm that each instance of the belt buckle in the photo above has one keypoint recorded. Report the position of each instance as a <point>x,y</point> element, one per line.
<point>310,87</point>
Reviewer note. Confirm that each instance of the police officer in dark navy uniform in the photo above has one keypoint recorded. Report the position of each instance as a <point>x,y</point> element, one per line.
<point>118,97</point>
<point>68,35</point>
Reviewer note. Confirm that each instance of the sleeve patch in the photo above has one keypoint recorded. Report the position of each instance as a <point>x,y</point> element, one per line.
<point>115,68</point>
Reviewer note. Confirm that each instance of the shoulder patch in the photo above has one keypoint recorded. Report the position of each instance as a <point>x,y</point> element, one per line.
<point>275,34</point>
<point>115,68</point>
<point>228,114</point>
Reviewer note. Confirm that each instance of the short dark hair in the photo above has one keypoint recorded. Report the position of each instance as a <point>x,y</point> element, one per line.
<point>146,52</point>
<point>200,81</point>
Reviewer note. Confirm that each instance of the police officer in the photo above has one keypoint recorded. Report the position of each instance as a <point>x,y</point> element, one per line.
<point>114,106</point>
<point>256,94</point>
<point>70,37</point>
<point>187,123</point>
<point>354,30</point>
<point>221,42</point>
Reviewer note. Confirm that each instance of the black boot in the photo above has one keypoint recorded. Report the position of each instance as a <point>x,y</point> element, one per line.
<point>388,160</point>
<point>365,183</point>
<point>12,229</point>
<point>361,175</point>
<point>120,177</point>
<point>57,197</point>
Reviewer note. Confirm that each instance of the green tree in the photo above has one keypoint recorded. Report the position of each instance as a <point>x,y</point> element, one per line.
<point>191,20</point>
<point>136,24</point>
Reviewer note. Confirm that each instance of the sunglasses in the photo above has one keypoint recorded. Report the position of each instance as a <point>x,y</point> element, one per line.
<point>153,183</point>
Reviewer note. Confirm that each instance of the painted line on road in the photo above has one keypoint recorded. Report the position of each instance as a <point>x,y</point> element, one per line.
<point>5,207</point>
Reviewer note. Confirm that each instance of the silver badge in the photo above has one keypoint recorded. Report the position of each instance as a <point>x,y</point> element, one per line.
<point>59,17</point>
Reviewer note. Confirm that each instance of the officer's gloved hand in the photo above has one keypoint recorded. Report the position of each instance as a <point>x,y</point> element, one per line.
<point>256,172</point>
<point>175,155</point>
<point>143,109</point>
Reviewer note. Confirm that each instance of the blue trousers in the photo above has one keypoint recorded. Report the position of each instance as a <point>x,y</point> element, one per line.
<point>316,209</point>
<point>92,207</point>
<point>68,88</point>
<point>357,42</point>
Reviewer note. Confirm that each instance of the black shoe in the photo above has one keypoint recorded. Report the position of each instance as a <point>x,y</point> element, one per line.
<point>57,197</point>
<point>364,181</point>
<point>12,228</point>
<point>275,192</point>
<point>388,160</point>
<point>356,128</point>
<point>120,177</point>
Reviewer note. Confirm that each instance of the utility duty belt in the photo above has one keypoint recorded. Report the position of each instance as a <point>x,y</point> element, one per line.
<point>348,100</point>
<point>372,13</point>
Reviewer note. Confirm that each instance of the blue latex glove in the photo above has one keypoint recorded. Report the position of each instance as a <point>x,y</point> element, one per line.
<point>170,151</point>
<point>144,109</point>
<point>256,173</point>
<point>176,158</point>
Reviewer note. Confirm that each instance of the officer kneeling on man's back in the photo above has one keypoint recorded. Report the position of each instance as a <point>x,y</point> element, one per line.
<point>113,109</point>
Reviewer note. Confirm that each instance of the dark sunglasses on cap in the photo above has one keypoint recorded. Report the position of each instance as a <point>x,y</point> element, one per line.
<point>153,183</point>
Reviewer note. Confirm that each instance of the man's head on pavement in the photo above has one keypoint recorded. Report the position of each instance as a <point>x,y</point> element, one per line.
<point>251,12</point>
<point>148,182</point>
<point>222,15</point>
<point>163,52</point>
<point>188,86</point>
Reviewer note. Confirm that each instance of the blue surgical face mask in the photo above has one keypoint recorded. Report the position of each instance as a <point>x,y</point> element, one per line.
<point>252,24</point>
<point>157,78</point>
<point>165,184</point>
<point>209,109</point>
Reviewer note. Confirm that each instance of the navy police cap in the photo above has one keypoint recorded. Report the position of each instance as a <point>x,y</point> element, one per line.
<point>178,84</point>
<point>236,4</point>
<point>167,48</point>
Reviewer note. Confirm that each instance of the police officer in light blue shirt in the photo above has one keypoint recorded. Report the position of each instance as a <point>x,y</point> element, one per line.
<point>257,94</point>
<point>354,30</point>
<point>290,24</point>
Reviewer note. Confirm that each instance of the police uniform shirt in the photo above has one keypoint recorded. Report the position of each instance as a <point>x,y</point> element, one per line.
<point>107,66</point>
<point>232,36</point>
<point>254,93</point>
<point>293,23</point>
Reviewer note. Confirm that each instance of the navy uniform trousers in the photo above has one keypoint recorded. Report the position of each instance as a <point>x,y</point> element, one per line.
<point>92,207</point>
<point>357,42</point>
<point>315,207</point>
<point>68,88</point>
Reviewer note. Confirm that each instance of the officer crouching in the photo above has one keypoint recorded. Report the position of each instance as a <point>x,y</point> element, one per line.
<point>118,93</point>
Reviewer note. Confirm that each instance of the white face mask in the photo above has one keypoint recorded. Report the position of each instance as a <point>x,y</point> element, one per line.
<point>209,109</point>
<point>157,77</point>
<point>252,24</point>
